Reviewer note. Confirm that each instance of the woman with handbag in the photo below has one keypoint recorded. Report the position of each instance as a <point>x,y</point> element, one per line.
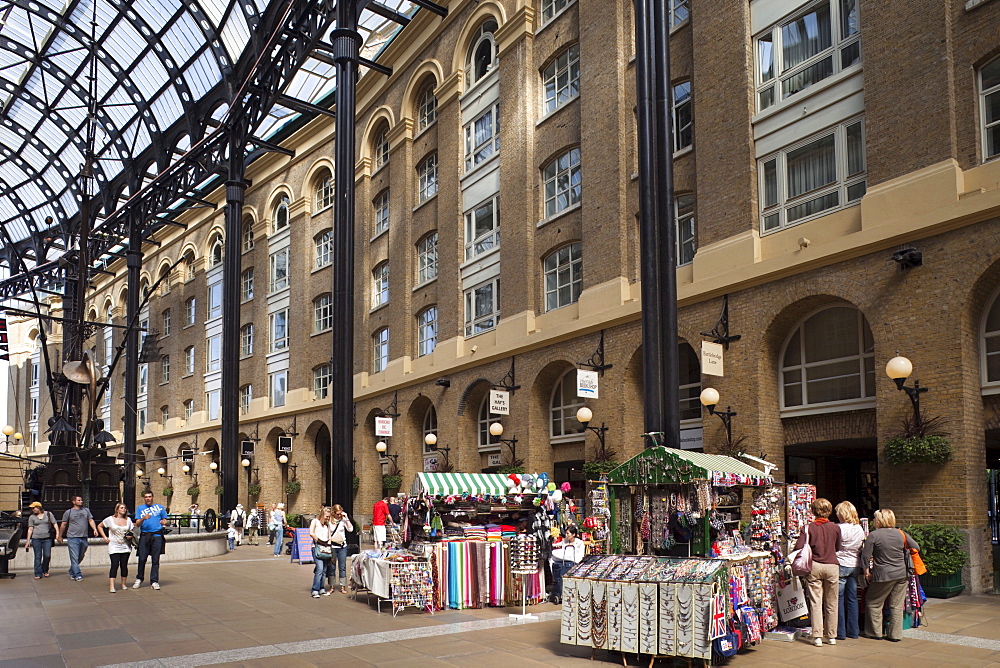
<point>116,532</point>
<point>822,582</point>
<point>342,526</point>
<point>322,530</point>
<point>889,547</point>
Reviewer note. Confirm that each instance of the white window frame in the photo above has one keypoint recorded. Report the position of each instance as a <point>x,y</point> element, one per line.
<point>323,244</point>
<point>485,33</point>
<point>427,258</point>
<point>679,12</point>
<point>479,149</point>
<point>165,369</point>
<point>246,340</point>
<point>323,313</point>
<point>165,319</point>
<point>277,388</point>
<point>561,79</point>
<point>552,275</point>
<point>683,109</point>
<point>188,408</point>
<point>487,241</point>
<point>143,378</point>
<point>246,396</point>
<point>140,418</point>
<point>684,220</point>
<point>380,284</point>
<point>769,92</point>
<point>215,251</point>
<point>774,215</point>
<point>562,183</point>
<point>380,350</point>
<point>247,239</point>
<point>281,216</point>
<point>486,441</point>
<point>321,382</point>
<point>213,406</point>
<point>988,386</point>
<point>323,191</point>
<point>36,372</point>
<point>985,126</point>
<point>426,107</point>
<point>213,353</point>
<point>427,330</point>
<point>427,178</point>
<point>33,411</point>
<point>214,301</point>
<point>189,360</point>
<point>476,325</point>
<point>280,263</point>
<point>693,388</point>
<point>190,311</point>
<point>246,285</point>
<point>867,395</point>
<point>278,330</point>
<point>430,426</point>
<point>553,8</point>
<point>564,412</point>
<point>189,267</point>
<point>164,415</point>
<point>381,206</point>
<point>380,148</point>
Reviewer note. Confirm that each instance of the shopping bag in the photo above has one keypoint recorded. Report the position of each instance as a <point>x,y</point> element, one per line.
<point>802,560</point>
<point>791,601</point>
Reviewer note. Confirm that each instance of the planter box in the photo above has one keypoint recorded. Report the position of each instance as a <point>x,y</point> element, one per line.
<point>942,586</point>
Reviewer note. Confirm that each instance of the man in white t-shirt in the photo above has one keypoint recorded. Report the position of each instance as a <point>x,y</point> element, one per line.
<point>238,520</point>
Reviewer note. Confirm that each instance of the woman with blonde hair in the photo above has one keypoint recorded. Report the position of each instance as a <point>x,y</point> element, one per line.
<point>821,583</point>
<point>852,537</point>
<point>886,545</point>
<point>113,530</point>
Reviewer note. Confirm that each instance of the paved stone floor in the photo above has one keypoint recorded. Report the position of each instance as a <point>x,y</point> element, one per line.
<point>247,608</point>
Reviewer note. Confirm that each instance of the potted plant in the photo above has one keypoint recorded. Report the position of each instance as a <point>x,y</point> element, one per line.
<point>392,481</point>
<point>508,469</point>
<point>254,488</point>
<point>942,547</point>
<point>218,490</point>
<point>168,492</point>
<point>921,441</point>
<point>293,487</point>
<point>605,459</point>
<point>194,490</point>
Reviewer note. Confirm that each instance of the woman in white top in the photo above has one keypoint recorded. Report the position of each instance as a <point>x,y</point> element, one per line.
<point>329,534</point>
<point>565,554</point>
<point>113,530</point>
<point>852,537</point>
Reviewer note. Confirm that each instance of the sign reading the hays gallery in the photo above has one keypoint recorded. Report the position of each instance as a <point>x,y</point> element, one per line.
<point>586,384</point>
<point>383,426</point>
<point>711,358</point>
<point>499,402</point>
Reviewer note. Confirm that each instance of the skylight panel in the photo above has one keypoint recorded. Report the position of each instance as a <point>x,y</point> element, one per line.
<point>203,74</point>
<point>167,107</point>
<point>235,35</point>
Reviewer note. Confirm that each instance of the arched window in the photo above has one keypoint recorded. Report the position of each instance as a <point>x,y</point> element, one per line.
<point>829,360</point>
<point>215,251</point>
<point>280,213</point>
<point>427,178</point>
<point>563,424</point>
<point>426,106</point>
<point>484,439</point>
<point>430,427</point>
<point>990,343</point>
<point>144,290</point>
<point>247,235</point>
<point>380,284</point>
<point>427,331</point>
<point>689,382</point>
<point>323,188</point>
<point>563,276</point>
<point>483,52</point>
<point>427,258</point>
<point>561,79</point>
<point>189,266</point>
<point>683,133</point>
<point>164,280</point>
<point>380,146</point>
<point>324,248</point>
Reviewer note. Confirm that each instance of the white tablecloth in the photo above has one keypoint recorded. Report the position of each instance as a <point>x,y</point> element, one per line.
<point>372,574</point>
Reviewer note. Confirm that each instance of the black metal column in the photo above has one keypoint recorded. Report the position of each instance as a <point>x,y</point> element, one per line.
<point>656,224</point>
<point>346,45</point>
<point>133,259</point>
<point>230,450</point>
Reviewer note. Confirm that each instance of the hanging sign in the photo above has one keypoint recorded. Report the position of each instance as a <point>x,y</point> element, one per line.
<point>246,449</point>
<point>187,456</point>
<point>586,384</point>
<point>711,358</point>
<point>493,459</point>
<point>499,402</point>
<point>383,426</point>
<point>692,439</point>
<point>430,464</point>
<point>284,444</point>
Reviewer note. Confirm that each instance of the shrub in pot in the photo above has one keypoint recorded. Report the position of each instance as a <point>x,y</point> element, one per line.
<point>942,548</point>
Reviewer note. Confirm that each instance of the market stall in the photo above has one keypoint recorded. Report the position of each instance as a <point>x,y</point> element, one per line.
<point>397,576</point>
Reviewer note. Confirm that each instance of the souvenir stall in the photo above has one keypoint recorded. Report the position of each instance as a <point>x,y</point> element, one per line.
<point>464,523</point>
<point>397,576</point>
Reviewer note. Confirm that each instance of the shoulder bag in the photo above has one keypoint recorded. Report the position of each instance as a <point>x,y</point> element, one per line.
<point>911,556</point>
<point>802,560</point>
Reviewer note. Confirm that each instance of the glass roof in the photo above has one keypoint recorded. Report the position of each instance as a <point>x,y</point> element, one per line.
<point>155,61</point>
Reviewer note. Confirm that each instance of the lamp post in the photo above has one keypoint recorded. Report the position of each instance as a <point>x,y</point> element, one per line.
<point>431,441</point>
<point>381,447</point>
<point>899,369</point>
<point>584,415</point>
<point>709,399</point>
<point>496,430</point>
<point>11,437</point>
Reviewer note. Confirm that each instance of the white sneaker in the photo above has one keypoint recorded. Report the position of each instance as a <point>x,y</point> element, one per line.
<point>327,592</point>
<point>831,641</point>
<point>818,642</point>
<point>315,594</point>
<point>156,586</point>
<point>137,584</point>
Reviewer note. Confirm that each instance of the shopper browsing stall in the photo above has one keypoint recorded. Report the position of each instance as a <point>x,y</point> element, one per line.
<point>852,537</point>
<point>565,554</point>
<point>822,583</point>
<point>886,545</point>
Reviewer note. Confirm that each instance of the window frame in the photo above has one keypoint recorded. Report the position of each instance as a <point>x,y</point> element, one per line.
<point>988,386</point>
<point>575,272</point>
<point>838,405</point>
<point>685,237</point>
<point>321,387</point>
<point>380,350</point>
<point>426,106</point>
<point>214,309</point>
<point>164,369</point>
<point>272,388</point>
<point>984,125</point>
<point>427,258</point>
<point>683,115</point>
<point>323,245</point>
<point>246,340</point>
<point>571,171</point>
<point>190,311</point>
<point>276,283</point>
<point>188,408</point>
<point>380,285</point>
<point>246,285</point>
<point>482,151</point>
<point>427,178</point>
<point>323,190</point>
<point>471,321</point>
<point>429,425</point>
<point>485,441</point>
<point>165,322</point>
<point>486,32</point>
<point>213,405</point>
<point>837,51</point>
<point>487,241</point>
<point>380,147</point>
<point>281,206</point>
<point>246,397</point>
<point>694,400</point>
<point>323,321</point>
<point>550,79</point>
<point>215,252</point>
<point>189,361</point>
<point>381,219</point>
<point>247,242</point>
<point>425,337</point>
<point>213,353</point>
<point>278,339</point>
<point>842,184</point>
<point>567,410</point>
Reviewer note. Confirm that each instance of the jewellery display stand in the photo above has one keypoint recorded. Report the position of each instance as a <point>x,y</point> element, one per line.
<point>524,562</point>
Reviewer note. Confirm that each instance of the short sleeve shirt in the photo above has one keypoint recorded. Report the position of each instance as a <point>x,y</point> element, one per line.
<point>44,525</point>
<point>148,517</point>
<point>116,534</point>
<point>77,522</point>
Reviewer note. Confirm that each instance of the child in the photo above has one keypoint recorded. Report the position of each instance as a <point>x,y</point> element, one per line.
<point>231,537</point>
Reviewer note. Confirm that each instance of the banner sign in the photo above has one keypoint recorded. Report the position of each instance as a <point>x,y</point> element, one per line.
<point>586,384</point>
<point>711,358</point>
<point>499,402</point>
<point>383,426</point>
<point>302,547</point>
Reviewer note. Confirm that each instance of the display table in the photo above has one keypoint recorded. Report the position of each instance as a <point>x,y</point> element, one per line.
<point>406,581</point>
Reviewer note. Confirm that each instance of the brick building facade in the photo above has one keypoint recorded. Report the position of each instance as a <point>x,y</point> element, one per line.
<point>814,139</point>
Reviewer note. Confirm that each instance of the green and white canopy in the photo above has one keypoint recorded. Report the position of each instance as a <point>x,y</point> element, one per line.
<point>660,465</point>
<point>493,484</point>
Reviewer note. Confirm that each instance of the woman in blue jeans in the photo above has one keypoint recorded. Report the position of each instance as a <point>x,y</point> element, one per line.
<point>42,529</point>
<point>566,554</point>
<point>329,534</point>
<point>852,537</point>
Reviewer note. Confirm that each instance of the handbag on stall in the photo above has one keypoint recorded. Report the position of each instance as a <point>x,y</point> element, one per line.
<point>802,560</point>
<point>915,564</point>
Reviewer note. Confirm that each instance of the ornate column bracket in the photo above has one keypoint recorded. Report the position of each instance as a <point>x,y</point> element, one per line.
<point>596,361</point>
<point>720,333</point>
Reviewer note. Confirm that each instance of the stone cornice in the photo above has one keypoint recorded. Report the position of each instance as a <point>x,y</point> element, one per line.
<point>517,28</point>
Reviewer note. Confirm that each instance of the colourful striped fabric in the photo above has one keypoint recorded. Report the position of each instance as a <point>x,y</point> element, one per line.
<point>493,484</point>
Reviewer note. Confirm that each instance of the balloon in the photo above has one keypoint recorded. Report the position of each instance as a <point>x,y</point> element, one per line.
<point>552,487</point>
<point>556,496</point>
<point>565,487</point>
<point>540,483</point>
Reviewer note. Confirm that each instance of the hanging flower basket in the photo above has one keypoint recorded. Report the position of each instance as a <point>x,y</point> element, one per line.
<point>218,490</point>
<point>931,449</point>
<point>254,489</point>
<point>194,490</point>
<point>594,469</point>
<point>392,481</point>
<point>168,491</point>
<point>356,483</point>
<point>293,487</point>
<point>507,470</point>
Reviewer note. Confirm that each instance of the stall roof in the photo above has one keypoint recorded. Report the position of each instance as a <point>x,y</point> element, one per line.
<point>669,465</point>
<point>460,483</point>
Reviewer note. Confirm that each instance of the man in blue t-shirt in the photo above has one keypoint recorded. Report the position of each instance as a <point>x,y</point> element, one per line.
<point>151,519</point>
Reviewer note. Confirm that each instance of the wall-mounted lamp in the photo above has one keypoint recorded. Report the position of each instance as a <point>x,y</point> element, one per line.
<point>710,399</point>
<point>431,441</point>
<point>382,447</point>
<point>186,469</point>
<point>496,430</point>
<point>899,369</point>
<point>584,415</point>
<point>214,466</point>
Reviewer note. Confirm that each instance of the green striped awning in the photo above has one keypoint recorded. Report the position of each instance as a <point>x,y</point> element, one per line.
<point>460,483</point>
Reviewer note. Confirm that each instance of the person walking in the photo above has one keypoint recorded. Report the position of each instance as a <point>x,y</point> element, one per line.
<point>321,531</point>
<point>852,537</point>
<point>42,531</point>
<point>113,530</point>
<point>279,520</point>
<point>151,518</point>
<point>253,527</point>
<point>76,525</point>
<point>565,554</point>
<point>237,519</point>
<point>271,524</point>
<point>380,515</point>
<point>886,545</point>
<point>823,581</point>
